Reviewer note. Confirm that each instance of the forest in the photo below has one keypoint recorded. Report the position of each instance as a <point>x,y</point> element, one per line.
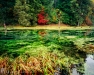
<point>41,12</point>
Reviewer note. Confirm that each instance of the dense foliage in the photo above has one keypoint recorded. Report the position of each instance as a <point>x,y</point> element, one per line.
<point>42,17</point>
<point>75,11</point>
<point>24,12</point>
<point>6,11</point>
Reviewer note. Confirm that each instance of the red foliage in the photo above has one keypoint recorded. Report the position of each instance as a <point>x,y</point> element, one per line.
<point>42,33</point>
<point>42,18</point>
<point>88,21</point>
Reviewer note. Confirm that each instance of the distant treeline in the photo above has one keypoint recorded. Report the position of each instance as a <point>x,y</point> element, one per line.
<point>25,12</point>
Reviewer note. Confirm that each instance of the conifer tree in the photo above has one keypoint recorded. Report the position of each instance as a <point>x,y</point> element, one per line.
<point>74,11</point>
<point>6,11</point>
<point>26,11</point>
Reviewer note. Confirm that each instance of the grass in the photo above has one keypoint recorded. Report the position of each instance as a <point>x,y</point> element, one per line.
<point>34,62</point>
<point>39,61</point>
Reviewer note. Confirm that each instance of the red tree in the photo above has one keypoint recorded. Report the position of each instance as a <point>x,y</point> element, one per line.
<point>42,18</point>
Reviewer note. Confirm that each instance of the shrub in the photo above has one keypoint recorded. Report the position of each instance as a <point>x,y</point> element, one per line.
<point>65,18</point>
<point>24,19</point>
<point>53,17</point>
<point>42,18</point>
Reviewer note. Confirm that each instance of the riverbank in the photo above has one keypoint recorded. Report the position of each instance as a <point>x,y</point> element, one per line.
<point>50,27</point>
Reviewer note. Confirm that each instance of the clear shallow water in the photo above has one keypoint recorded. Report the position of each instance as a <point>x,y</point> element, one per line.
<point>16,34</point>
<point>28,36</point>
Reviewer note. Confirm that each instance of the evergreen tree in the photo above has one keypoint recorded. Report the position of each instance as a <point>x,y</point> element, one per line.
<point>6,11</point>
<point>26,11</point>
<point>50,10</point>
<point>74,11</point>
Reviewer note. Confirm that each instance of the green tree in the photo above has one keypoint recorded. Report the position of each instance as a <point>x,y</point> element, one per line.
<point>50,10</point>
<point>74,11</point>
<point>26,11</point>
<point>6,11</point>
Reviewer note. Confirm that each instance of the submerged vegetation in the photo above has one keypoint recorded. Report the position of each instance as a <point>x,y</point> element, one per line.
<point>40,52</point>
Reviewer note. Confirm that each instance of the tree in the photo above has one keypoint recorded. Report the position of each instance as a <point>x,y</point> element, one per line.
<point>26,11</point>
<point>6,11</point>
<point>49,8</point>
<point>74,11</point>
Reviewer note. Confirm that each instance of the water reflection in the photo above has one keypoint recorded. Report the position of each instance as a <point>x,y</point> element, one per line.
<point>89,65</point>
<point>74,72</point>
